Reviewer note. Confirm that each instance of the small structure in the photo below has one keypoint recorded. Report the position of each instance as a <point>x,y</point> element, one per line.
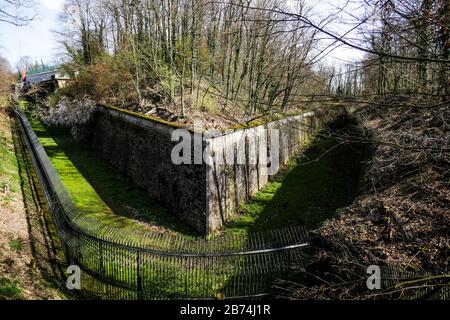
<point>49,79</point>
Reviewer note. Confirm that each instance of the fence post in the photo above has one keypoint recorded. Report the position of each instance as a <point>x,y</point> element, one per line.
<point>138,270</point>
<point>101,257</point>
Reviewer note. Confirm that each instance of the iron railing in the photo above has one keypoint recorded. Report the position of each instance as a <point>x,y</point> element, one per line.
<point>162,266</point>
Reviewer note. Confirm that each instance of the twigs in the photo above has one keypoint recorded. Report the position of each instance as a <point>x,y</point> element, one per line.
<point>401,215</point>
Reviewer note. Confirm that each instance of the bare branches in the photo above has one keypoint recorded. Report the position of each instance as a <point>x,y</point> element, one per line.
<point>254,59</point>
<point>17,12</point>
<point>342,38</point>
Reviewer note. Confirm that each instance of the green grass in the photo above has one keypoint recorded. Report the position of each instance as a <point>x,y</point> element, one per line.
<point>44,252</point>
<point>307,192</point>
<point>16,245</point>
<point>9,290</point>
<point>100,192</point>
<point>9,179</point>
<point>169,277</point>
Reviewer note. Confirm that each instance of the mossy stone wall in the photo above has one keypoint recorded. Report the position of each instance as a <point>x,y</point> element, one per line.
<point>204,195</point>
<point>141,150</point>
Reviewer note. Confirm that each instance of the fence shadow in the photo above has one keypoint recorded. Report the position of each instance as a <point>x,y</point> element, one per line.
<point>120,194</point>
<point>44,243</point>
<point>158,266</point>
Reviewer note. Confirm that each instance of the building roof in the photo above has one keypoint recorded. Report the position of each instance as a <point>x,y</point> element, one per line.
<point>41,69</point>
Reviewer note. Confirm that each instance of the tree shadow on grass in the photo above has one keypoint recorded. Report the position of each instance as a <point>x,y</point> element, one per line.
<point>324,178</point>
<point>122,196</point>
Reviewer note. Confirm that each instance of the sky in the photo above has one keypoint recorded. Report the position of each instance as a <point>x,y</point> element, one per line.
<point>338,54</point>
<point>35,40</point>
<point>38,41</point>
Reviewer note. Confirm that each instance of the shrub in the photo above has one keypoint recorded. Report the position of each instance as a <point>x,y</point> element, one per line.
<point>9,289</point>
<point>108,80</point>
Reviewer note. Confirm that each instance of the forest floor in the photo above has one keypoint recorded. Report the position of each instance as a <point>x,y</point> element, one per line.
<point>28,263</point>
<point>401,216</point>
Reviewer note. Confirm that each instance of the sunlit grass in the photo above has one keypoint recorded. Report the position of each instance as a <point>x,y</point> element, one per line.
<point>9,179</point>
<point>99,192</point>
<point>9,289</point>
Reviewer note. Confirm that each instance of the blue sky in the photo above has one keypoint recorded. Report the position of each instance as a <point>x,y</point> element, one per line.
<point>38,41</point>
<point>35,40</point>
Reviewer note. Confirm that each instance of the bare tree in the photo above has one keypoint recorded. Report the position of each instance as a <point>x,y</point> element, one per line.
<point>195,52</point>
<point>5,75</point>
<point>17,12</point>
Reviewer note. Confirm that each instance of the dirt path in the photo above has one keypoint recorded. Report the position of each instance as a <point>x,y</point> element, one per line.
<point>28,264</point>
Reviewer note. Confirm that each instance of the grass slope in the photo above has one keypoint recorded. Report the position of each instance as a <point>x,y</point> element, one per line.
<point>9,181</point>
<point>27,260</point>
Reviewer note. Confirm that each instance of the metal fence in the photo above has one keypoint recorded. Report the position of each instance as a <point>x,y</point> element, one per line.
<point>161,266</point>
<point>398,282</point>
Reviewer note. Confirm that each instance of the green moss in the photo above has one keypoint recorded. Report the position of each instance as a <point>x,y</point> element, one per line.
<point>100,192</point>
<point>9,179</point>
<point>307,192</point>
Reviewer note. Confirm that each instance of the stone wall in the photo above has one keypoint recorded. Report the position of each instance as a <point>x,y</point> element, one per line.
<point>230,185</point>
<point>140,149</point>
<point>202,195</point>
